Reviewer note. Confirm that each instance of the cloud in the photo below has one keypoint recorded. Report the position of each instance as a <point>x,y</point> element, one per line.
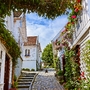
<point>44,28</point>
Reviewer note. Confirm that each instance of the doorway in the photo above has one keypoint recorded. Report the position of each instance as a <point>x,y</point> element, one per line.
<point>6,74</point>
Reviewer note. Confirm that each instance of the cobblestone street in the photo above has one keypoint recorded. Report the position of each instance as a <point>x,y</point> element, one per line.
<point>46,81</point>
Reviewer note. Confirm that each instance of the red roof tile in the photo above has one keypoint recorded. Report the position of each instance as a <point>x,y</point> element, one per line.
<point>31,41</point>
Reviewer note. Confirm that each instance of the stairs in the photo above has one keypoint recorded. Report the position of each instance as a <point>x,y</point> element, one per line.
<point>26,80</point>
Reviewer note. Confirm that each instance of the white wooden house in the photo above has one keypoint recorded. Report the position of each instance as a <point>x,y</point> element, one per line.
<point>57,52</point>
<point>31,53</point>
<point>82,32</point>
<point>5,68</point>
<point>13,24</point>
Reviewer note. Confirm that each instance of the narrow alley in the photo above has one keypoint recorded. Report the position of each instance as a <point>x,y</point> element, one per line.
<point>46,81</point>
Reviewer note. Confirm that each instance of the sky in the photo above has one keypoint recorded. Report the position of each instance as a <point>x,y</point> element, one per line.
<point>46,29</point>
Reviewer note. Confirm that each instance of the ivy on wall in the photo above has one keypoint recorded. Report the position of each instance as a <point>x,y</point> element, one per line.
<point>71,71</point>
<point>86,56</point>
<point>85,83</point>
<point>9,42</point>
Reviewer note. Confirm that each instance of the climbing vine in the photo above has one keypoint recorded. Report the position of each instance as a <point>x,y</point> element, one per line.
<point>85,84</point>
<point>86,56</point>
<point>9,42</point>
<point>71,71</point>
<point>46,8</point>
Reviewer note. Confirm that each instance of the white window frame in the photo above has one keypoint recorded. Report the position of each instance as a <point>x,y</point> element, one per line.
<point>27,52</point>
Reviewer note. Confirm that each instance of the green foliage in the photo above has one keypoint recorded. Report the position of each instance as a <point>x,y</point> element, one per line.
<point>47,54</point>
<point>60,73</point>
<point>15,78</point>
<point>32,69</point>
<point>9,42</point>
<point>15,84</point>
<point>26,69</point>
<point>71,71</point>
<point>85,84</point>
<point>46,8</point>
<point>86,56</point>
<point>57,61</point>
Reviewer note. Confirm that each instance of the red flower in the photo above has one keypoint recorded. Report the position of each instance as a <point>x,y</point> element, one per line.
<point>82,74</point>
<point>73,23</point>
<point>76,10</point>
<point>74,16</point>
<point>78,1</point>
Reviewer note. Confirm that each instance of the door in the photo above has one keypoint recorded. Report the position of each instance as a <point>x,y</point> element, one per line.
<point>6,74</point>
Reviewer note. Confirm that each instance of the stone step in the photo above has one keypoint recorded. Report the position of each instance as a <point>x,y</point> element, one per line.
<point>23,89</point>
<point>26,77</point>
<point>25,80</point>
<point>24,86</point>
<point>19,83</point>
<point>28,74</point>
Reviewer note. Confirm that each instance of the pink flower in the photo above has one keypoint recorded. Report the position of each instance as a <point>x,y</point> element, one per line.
<point>76,10</point>
<point>74,16</point>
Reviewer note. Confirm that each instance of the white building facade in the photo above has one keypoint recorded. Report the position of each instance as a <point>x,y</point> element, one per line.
<point>31,53</point>
<point>82,32</point>
<point>13,24</point>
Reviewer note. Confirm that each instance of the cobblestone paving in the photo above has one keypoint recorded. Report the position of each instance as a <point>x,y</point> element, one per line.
<point>46,81</point>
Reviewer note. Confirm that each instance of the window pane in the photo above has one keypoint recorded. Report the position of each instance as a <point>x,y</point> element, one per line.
<point>28,52</point>
<point>0,54</point>
<point>25,52</point>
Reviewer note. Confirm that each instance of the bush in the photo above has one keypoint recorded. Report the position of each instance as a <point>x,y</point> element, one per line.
<point>26,69</point>
<point>60,73</point>
<point>32,69</point>
<point>15,78</point>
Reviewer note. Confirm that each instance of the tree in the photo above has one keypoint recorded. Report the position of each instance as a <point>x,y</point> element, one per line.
<point>47,54</point>
<point>46,8</point>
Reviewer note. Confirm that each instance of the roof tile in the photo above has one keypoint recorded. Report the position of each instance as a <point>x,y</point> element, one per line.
<point>30,41</point>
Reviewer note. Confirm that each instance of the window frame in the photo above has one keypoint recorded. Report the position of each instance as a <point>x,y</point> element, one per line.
<point>27,52</point>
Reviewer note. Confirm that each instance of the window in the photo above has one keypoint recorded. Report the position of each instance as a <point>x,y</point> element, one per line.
<point>78,25</point>
<point>27,52</point>
<point>0,54</point>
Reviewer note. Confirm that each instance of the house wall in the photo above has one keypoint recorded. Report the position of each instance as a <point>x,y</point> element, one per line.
<point>29,61</point>
<point>30,64</point>
<point>85,37</point>
<point>82,31</point>
<point>60,56</point>
<point>38,56</point>
<point>2,61</point>
<point>2,66</point>
<point>18,67</point>
<point>82,25</point>
<point>20,37</point>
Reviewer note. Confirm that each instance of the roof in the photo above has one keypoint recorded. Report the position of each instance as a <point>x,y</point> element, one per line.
<point>31,41</point>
